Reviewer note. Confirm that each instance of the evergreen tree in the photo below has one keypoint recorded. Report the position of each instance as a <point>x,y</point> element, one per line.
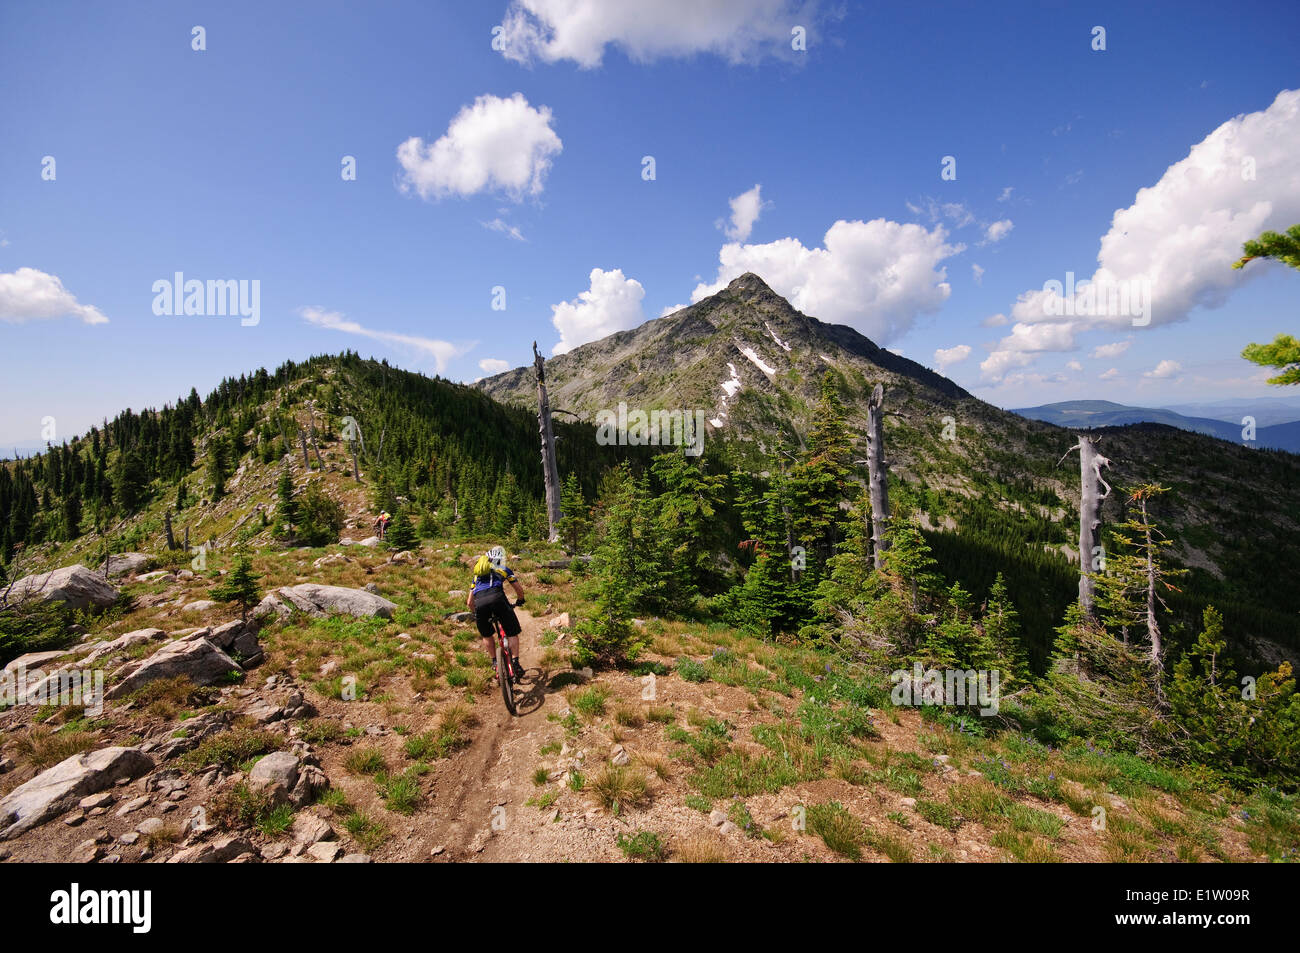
<point>401,534</point>
<point>218,465</point>
<point>575,516</point>
<point>240,586</point>
<point>287,512</point>
<point>909,559</point>
<point>130,483</point>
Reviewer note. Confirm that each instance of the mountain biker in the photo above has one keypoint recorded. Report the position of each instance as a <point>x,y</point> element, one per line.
<point>487,600</point>
<point>381,523</point>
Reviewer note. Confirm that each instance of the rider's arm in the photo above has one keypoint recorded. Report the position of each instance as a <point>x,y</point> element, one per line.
<point>519,590</point>
<point>469,601</point>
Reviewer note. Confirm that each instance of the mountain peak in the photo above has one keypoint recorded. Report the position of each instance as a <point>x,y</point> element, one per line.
<point>750,282</point>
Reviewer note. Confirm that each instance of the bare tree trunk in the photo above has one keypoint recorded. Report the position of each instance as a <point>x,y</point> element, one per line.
<point>302,440</point>
<point>167,528</point>
<point>1090,464</point>
<point>187,539</point>
<point>878,471</point>
<point>550,473</point>
<point>1153,627</point>
<point>311,410</point>
<point>379,454</point>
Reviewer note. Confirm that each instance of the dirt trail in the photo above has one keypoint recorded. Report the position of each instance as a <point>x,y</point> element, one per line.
<point>483,788</point>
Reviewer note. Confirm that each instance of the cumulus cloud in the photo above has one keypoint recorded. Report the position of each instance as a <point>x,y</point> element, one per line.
<point>440,351</point>
<point>874,276</point>
<point>946,357</point>
<point>495,144</point>
<point>1074,366</point>
<point>493,365</point>
<point>1163,370</point>
<point>1110,350</point>
<point>978,273</point>
<point>612,303</point>
<point>1181,235</point>
<point>745,209</point>
<point>1109,375</point>
<point>998,230</point>
<point>580,30</point>
<point>31,295</point>
<point>995,320</point>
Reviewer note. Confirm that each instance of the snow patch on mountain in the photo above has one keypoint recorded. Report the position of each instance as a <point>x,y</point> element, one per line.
<point>779,342</point>
<point>756,360</point>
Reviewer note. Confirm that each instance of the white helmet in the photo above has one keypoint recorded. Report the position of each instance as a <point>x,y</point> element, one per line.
<point>497,556</point>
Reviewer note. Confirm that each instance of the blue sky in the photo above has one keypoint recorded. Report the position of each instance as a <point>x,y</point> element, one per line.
<point>225,163</point>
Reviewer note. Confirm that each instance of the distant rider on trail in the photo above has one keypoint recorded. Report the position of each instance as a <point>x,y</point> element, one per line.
<point>381,523</point>
<point>487,600</point>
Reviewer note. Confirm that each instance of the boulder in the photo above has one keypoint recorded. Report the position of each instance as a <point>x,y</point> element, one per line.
<point>75,586</point>
<point>124,642</point>
<point>219,851</point>
<point>31,661</point>
<point>199,605</point>
<point>311,828</point>
<point>277,769</point>
<point>370,541</point>
<point>157,574</point>
<point>126,564</point>
<point>62,787</point>
<point>319,601</point>
<point>199,660</point>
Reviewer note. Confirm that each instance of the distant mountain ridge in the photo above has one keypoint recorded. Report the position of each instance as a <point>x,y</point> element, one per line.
<point>1105,413</point>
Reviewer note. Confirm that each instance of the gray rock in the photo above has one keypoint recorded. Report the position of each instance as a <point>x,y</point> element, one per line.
<point>149,826</point>
<point>354,859</point>
<point>219,851</point>
<point>277,768</point>
<point>325,851</point>
<point>133,805</point>
<point>311,781</point>
<point>311,828</point>
<point>87,852</point>
<point>57,789</point>
<point>92,801</point>
<point>318,601</point>
<point>30,661</point>
<point>199,605</point>
<point>124,642</point>
<point>125,564</point>
<point>199,660</point>
<point>75,586</point>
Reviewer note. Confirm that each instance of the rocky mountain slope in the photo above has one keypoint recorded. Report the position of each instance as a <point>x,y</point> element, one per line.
<point>754,365</point>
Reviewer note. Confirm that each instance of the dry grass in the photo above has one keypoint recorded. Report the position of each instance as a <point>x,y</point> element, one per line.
<point>701,849</point>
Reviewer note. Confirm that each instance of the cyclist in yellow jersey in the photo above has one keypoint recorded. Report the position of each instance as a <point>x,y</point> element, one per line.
<point>487,600</point>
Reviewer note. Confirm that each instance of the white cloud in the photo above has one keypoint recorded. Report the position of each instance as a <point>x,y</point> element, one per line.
<point>995,320</point>
<point>505,228</point>
<point>495,144</point>
<point>671,309</point>
<point>1109,375</point>
<point>1025,342</point>
<point>1006,193</point>
<point>440,351</point>
<point>745,209</point>
<point>998,230</point>
<point>612,303</point>
<point>874,276</point>
<point>1163,370</point>
<point>1110,350</point>
<point>978,273</point>
<point>579,30</point>
<point>1074,366</point>
<point>31,295</point>
<point>493,365</point>
<point>945,357</point>
<point>1183,233</point>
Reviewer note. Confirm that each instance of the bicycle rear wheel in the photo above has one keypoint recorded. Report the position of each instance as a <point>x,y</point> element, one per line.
<point>504,675</point>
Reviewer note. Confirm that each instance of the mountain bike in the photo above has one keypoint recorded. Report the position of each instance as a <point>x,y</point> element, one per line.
<point>503,652</point>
